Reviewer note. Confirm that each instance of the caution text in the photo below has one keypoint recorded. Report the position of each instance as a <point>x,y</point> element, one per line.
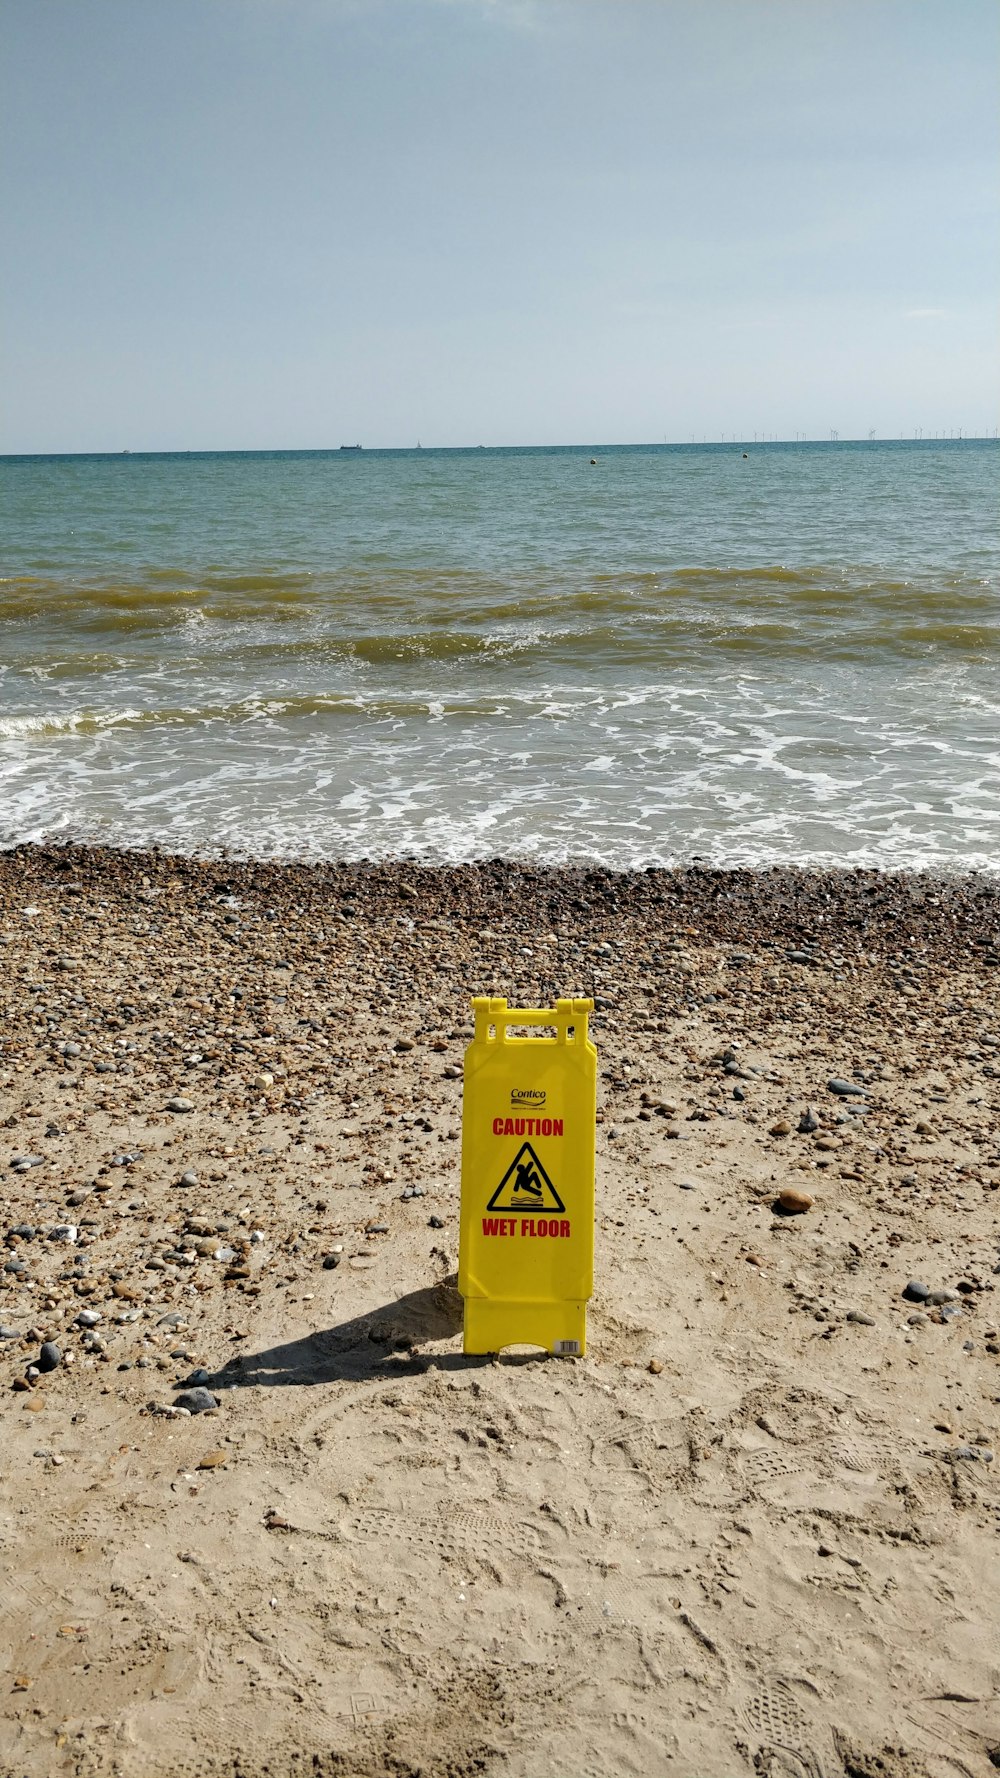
<point>527,1126</point>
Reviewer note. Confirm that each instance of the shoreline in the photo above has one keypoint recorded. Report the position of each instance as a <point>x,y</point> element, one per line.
<point>235,1086</point>
<point>943,909</point>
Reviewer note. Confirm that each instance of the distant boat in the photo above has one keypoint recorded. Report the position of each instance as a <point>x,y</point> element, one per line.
<point>350,447</point>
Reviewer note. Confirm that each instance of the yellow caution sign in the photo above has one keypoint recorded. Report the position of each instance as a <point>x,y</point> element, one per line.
<point>526,1247</point>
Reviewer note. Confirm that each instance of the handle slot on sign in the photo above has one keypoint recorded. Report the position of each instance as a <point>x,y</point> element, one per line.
<point>496,1022</point>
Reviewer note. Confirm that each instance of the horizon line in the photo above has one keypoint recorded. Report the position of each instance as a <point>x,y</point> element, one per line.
<point>724,442</point>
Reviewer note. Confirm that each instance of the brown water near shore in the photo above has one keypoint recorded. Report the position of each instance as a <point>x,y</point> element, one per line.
<point>754,1530</point>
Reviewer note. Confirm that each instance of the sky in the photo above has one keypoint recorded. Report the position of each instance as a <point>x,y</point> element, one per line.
<point>264,224</point>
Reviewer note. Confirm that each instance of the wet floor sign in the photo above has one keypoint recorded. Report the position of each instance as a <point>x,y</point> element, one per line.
<point>526,1248</point>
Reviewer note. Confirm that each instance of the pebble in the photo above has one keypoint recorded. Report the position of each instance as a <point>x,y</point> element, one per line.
<point>180,1105</point>
<point>686,1185</point>
<point>859,1319</point>
<point>916,1320</point>
<point>793,1202</point>
<point>781,1128</point>
<point>197,1378</point>
<point>845,1088</point>
<point>808,1122</point>
<point>88,1318</point>
<point>196,1401</point>
<point>188,1178</point>
<point>941,1296</point>
<point>9,1333</point>
<point>377,1228</point>
<point>656,1366</point>
<point>434,1222</point>
<point>64,1231</point>
<point>915,1292</point>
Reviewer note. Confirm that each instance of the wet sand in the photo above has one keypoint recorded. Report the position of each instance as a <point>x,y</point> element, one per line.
<point>754,1530</point>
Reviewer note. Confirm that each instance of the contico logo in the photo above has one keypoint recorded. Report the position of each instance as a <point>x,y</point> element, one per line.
<point>526,1096</point>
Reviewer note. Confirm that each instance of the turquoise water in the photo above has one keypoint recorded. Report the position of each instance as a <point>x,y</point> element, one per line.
<point>677,651</point>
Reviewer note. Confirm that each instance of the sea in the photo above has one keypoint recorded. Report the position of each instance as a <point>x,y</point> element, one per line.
<point>639,655</point>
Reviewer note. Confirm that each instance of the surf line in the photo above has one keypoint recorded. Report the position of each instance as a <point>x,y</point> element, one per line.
<point>527,1126</point>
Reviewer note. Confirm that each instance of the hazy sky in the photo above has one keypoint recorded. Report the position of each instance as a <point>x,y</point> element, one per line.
<point>253,223</point>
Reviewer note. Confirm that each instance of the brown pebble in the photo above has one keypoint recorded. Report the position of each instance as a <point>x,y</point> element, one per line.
<point>794,1202</point>
<point>781,1128</point>
<point>656,1366</point>
<point>213,1459</point>
<point>125,1293</point>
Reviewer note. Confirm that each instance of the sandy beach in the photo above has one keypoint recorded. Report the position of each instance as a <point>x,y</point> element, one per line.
<point>754,1530</point>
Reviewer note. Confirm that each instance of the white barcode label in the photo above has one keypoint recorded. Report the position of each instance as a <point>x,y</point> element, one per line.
<point>567,1348</point>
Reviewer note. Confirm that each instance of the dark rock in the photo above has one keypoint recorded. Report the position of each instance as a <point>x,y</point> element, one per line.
<point>50,1356</point>
<point>915,1292</point>
<point>845,1088</point>
<point>197,1401</point>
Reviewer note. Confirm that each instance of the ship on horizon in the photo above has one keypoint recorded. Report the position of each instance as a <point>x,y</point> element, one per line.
<point>350,447</point>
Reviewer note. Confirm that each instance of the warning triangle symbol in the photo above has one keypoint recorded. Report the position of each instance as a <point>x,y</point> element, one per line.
<point>526,1185</point>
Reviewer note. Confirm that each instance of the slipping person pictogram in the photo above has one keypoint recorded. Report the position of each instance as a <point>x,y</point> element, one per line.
<point>526,1185</point>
